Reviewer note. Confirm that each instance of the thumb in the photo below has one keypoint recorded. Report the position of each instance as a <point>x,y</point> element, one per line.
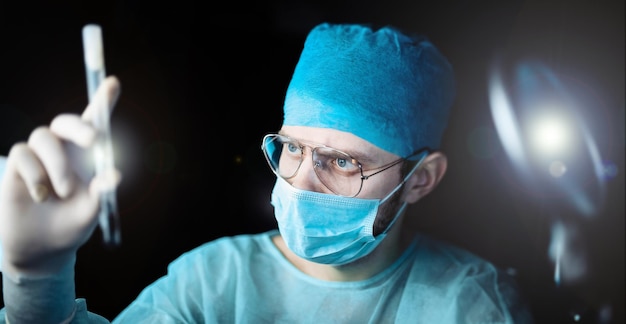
<point>105,98</point>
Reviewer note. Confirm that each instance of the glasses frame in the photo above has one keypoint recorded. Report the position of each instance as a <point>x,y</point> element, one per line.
<point>314,146</point>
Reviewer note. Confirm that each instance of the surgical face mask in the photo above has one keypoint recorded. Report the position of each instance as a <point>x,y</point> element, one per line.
<point>327,228</point>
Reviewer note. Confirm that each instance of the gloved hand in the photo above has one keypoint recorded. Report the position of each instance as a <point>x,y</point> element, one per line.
<point>48,194</point>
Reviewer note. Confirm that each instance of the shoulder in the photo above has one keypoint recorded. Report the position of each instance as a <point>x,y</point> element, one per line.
<point>227,249</point>
<point>477,286</point>
<point>450,263</point>
<point>445,255</point>
<point>199,277</point>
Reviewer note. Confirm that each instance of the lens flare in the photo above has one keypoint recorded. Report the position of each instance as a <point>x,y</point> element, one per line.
<point>567,254</point>
<point>550,134</point>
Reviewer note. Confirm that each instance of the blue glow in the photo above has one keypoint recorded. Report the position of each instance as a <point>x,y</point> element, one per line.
<point>506,124</point>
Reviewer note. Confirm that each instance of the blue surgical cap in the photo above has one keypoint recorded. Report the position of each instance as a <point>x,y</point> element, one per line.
<point>392,89</point>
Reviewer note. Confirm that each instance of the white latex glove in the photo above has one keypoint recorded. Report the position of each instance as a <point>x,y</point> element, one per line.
<point>48,195</point>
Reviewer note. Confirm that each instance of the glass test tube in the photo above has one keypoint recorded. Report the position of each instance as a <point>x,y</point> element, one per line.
<point>103,149</point>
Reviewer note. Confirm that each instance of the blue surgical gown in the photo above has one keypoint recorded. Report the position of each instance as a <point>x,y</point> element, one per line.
<point>245,279</point>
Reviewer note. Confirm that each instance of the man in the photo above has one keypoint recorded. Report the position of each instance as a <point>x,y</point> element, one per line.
<point>364,115</point>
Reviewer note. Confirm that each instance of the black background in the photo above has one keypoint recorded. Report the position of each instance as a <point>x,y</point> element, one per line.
<point>202,82</point>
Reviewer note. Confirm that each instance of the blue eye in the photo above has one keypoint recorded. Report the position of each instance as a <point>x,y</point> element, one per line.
<point>335,161</point>
<point>292,148</point>
<point>345,164</point>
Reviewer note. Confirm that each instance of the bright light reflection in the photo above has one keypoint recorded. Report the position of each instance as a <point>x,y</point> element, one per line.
<point>550,135</point>
<point>506,124</point>
<point>566,253</point>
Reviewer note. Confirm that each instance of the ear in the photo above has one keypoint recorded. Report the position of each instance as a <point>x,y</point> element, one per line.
<point>426,177</point>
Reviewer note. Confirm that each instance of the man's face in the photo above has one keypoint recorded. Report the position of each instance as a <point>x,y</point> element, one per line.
<point>369,156</point>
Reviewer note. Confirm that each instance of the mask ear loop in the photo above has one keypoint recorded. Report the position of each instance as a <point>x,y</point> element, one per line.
<point>406,178</point>
<point>404,204</point>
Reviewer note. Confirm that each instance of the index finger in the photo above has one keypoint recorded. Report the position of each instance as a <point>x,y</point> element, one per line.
<point>108,91</point>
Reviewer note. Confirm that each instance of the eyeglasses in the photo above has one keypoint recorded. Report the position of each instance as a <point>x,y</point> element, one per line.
<point>336,170</point>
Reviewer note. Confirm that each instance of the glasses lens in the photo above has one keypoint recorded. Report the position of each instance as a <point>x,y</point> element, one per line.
<point>283,155</point>
<point>338,171</point>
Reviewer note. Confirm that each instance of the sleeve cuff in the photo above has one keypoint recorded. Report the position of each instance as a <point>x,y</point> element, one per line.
<point>40,299</point>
